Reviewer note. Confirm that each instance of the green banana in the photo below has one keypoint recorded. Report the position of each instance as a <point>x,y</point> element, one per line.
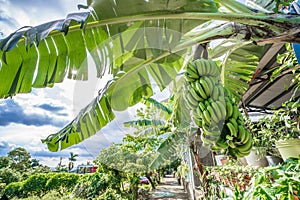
<point>231,120</point>
<point>213,114</point>
<point>245,147</point>
<point>240,122</point>
<point>197,113</point>
<point>207,116</point>
<point>214,68</point>
<point>235,112</point>
<point>229,110</point>
<point>192,71</point>
<point>237,153</point>
<point>198,122</point>
<point>221,144</point>
<point>215,94</point>
<point>247,137</point>
<point>241,133</point>
<point>221,91</point>
<point>222,108</point>
<point>200,66</point>
<point>217,111</point>
<point>209,83</point>
<point>233,131</point>
<point>237,141</point>
<point>188,105</point>
<point>191,100</point>
<point>202,106</point>
<point>229,137</point>
<point>195,95</point>
<point>200,90</point>
<point>231,144</point>
<point>191,85</point>
<point>210,100</point>
<point>190,79</point>
<point>213,80</point>
<point>206,103</point>
<point>204,86</point>
<point>245,153</point>
<point>207,67</point>
<point>204,119</point>
<point>215,147</point>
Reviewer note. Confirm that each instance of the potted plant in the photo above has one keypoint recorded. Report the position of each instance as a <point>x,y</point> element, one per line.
<point>288,141</point>
<point>265,133</point>
<point>261,144</point>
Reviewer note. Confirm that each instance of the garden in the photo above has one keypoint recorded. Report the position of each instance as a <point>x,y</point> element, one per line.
<point>214,86</point>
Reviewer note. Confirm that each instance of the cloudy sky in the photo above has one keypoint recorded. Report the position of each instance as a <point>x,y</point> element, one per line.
<point>27,118</point>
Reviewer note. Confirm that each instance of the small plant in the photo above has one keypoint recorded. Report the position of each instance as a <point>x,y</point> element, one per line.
<point>263,136</point>
<point>283,124</point>
<point>279,182</point>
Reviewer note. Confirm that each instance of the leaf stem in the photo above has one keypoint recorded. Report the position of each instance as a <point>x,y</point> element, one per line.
<point>275,22</point>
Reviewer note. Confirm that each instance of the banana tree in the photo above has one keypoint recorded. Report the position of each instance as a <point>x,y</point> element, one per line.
<point>138,42</point>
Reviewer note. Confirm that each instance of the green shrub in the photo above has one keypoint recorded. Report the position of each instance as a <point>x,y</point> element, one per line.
<point>62,182</point>
<point>14,189</point>
<point>90,186</point>
<point>35,185</point>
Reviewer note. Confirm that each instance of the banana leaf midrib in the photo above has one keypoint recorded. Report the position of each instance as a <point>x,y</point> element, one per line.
<point>247,19</point>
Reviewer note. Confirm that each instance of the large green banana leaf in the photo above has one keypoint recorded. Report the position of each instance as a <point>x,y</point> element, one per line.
<point>141,39</point>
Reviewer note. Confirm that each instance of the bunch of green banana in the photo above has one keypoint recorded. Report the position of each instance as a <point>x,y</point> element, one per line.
<point>238,138</point>
<point>215,110</point>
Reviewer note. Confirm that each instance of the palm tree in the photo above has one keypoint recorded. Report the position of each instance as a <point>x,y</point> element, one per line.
<point>72,159</point>
<point>137,42</point>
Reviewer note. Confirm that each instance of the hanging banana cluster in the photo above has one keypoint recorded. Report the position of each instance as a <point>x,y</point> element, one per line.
<point>215,110</point>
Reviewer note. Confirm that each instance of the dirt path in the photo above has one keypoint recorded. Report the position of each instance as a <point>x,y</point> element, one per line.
<point>169,189</point>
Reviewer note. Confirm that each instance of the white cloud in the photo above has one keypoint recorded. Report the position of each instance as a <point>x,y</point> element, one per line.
<point>30,137</point>
<point>34,12</point>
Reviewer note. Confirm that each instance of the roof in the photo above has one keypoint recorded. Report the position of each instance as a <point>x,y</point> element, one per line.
<point>263,94</point>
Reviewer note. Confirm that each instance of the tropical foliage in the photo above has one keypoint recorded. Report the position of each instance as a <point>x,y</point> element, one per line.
<point>276,182</point>
<point>63,185</point>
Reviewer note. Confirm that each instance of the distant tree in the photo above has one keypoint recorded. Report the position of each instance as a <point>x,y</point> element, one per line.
<point>20,159</point>
<point>4,162</point>
<point>35,163</point>
<point>72,159</point>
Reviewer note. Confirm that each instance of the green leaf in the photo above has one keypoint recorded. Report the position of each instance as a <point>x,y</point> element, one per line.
<point>240,62</point>
<point>158,105</point>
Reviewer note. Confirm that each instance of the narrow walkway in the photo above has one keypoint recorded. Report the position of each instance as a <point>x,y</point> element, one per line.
<point>169,189</point>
